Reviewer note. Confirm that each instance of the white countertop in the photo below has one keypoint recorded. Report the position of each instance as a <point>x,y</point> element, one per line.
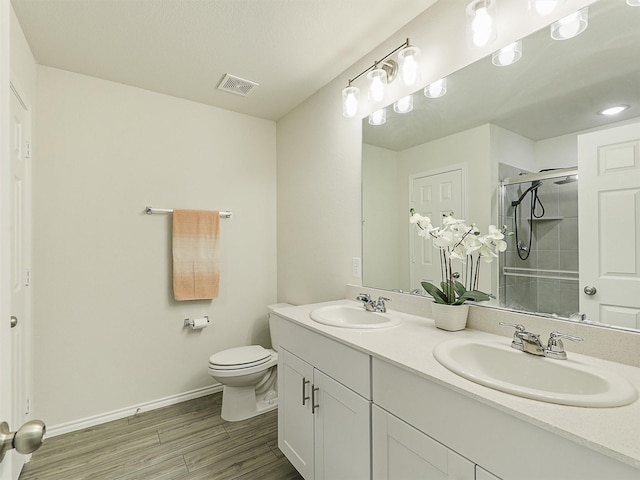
<point>614,432</point>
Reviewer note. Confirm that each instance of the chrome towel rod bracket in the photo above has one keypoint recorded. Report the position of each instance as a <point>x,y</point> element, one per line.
<point>150,211</point>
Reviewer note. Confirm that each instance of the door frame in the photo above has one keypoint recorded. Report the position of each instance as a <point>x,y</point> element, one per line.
<point>6,393</point>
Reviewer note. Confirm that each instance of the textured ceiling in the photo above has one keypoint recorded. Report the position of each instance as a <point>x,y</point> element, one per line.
<point>184,47</point>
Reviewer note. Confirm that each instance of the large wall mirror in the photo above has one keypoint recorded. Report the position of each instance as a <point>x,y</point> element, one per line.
<point>524,145</point>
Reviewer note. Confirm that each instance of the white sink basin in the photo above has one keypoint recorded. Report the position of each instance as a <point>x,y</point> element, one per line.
<point>347,316</point>
<point>566,382</point>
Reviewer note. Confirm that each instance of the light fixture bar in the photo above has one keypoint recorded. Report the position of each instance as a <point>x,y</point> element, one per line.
<point>377,62</point>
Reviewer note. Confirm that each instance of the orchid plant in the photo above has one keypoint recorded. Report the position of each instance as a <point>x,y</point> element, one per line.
<point>457,240</point>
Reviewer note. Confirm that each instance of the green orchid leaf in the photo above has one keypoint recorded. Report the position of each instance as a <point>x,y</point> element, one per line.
<point>460,288</point>
<point>437,294</point>
<point>475,296</point>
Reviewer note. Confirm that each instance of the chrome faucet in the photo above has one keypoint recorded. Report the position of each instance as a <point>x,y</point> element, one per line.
<point>530,342</point>
<point>371,305</point>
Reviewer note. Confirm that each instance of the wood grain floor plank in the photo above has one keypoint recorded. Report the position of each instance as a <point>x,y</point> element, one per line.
<point>187,441</point>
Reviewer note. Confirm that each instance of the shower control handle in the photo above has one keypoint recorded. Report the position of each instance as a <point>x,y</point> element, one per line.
<point>589,290</point>
<point>305,397</point>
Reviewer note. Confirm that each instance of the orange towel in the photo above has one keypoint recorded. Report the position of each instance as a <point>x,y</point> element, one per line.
<point>195,248</point>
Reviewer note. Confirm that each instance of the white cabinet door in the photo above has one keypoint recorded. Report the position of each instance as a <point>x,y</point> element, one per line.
<point>342,419</point>
<point>295,421</point>
<point>482,474</point>
<point>401,452</point>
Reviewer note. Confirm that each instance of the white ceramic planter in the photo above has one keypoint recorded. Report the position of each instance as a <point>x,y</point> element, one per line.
<point>450,317</point>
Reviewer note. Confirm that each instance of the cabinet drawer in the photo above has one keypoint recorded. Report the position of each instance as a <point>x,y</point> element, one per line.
<point>350,367</point>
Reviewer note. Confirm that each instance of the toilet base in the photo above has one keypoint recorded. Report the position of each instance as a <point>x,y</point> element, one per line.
<point>241,403</point>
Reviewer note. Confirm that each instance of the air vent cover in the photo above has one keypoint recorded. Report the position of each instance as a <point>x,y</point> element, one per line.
<point>236,85</point>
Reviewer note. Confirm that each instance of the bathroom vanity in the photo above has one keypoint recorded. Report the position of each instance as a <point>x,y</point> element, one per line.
<point>375,404</point>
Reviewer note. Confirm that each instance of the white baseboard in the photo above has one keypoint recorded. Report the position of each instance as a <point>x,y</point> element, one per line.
<point>130,411</point>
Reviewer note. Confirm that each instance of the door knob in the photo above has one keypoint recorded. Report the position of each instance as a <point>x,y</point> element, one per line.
<point>27,439</point>
<point>589,290</point>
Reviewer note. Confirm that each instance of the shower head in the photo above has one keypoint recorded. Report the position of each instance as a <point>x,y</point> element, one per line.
<point>567,179</point>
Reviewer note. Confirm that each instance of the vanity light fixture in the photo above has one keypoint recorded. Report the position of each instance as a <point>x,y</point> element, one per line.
<point>350,98</point>
<point>436,89</point>
<point>481,25</point>
<point>382,73</point>
<point>403,105</point>
<point>544,7</point>
<point>613,110</point>
<point>507,55</point>
<point>377,84</point>
<point>570,26</point>
<point>408,64</point>
<point>379,117</point>
<point>633,3</point>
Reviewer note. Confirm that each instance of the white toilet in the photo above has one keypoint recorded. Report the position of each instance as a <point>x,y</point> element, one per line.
<point>249,376</point>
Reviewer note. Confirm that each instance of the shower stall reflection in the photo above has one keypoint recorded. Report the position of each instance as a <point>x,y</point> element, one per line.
<point>539,270</point>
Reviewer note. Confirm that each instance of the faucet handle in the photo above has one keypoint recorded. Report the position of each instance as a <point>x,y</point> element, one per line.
<point>380,306</point>
<point>517,339</point>
<point>519,328</point>
<point>555,347</point>
<point>364,297</point>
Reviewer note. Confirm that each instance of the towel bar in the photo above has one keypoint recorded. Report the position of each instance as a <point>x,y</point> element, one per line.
<point>151,210</point>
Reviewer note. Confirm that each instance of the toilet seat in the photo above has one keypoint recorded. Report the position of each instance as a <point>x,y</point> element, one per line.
<point>240,358</point>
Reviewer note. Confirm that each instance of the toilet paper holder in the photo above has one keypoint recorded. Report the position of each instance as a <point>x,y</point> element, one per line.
<point>191,322</point>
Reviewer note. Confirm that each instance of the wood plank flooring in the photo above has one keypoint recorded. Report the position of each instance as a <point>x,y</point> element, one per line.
<point>187,441</point>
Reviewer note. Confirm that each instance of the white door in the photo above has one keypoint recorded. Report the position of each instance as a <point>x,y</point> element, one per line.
<point>20,263</point>
<point>342,432</point>
<point>609,223</point>
<point>433,194</point>
<point>295,421</point>
<point>401,452</point>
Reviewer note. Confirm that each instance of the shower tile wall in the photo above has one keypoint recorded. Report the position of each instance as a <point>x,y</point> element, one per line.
<point>554,247</point>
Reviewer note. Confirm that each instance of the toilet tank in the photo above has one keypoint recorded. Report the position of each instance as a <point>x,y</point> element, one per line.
<point>273,323</point>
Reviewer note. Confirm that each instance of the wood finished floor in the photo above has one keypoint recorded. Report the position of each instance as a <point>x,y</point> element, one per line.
<point>187,441</point>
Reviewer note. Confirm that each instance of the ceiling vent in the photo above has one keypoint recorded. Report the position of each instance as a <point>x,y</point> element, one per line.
<point>236,85</point>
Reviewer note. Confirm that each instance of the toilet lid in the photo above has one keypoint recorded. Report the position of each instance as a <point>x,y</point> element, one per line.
<point>240,357</point>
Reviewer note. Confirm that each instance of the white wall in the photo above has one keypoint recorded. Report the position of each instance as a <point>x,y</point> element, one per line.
<point>381,214</point>
<point>319,151</point>
<point>108,334</point>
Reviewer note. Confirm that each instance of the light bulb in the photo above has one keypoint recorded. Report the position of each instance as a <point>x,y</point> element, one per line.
<point>350,97</point>
<point>633,3</point>
<point>377,84</point>
<point>436,89</point>
<point>481,28</point>
<point>507,55</point>
<point>403,105</point>
<point>379,117</point>
<point>570,26</point>
<point>408,59</point>
<point>544,7</point>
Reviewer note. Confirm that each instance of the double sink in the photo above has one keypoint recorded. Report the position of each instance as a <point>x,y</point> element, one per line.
<point>496,365</point>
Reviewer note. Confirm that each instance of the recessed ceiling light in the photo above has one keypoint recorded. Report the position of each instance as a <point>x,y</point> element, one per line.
<point>613,110</point>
